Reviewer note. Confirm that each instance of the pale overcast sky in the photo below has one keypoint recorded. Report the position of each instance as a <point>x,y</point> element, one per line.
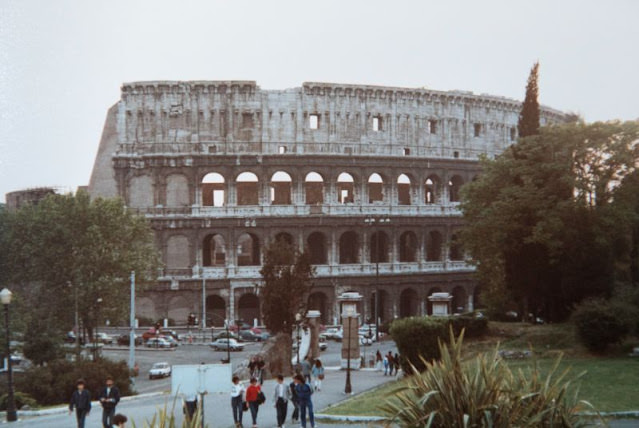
<point>62,62</point>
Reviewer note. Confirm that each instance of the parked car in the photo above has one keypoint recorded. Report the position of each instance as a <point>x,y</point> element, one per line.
<point>159,370</point>
<point>333,333</point>
<point>364,340</point>
<point>174,343</point>
<point>322,343</point>
<point>224,344</point>
<point>157,342</point>
<point>265,335</point>
<point>104,338</point>
<point>150,333</point>
<point>123,340</point>
<point>70,338</point>
<point>225,335</point>
<point>249,336</point>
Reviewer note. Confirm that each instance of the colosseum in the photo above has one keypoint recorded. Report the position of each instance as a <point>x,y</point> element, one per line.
<point>366,178</point>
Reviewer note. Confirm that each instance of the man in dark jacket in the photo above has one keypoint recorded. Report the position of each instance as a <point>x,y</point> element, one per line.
<point>81,402</point>
<point>109,398</point>
<point>304,392</point>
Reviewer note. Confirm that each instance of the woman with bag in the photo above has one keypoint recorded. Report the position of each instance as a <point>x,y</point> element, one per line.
<point>254,397</point>
<point>236,401</point>
<point>318,375</point>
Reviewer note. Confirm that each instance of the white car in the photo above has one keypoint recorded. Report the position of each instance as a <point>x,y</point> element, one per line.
<point>224,344</point>
<point>158,342</point>
<point>160,370</point>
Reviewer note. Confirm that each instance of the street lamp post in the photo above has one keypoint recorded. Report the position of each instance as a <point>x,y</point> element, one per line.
<point>298,322</point>
<point>347,388</point>
<point>12,416</point>
<point>97,325</point>
<point>371,221</point>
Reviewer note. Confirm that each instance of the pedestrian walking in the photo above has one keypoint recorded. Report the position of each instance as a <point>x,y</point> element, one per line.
<point>281,397</point>
<point>119,421</point>
<point>396,362</point>
<point>237,402</point>
<point>304,392</point>
<point>81,402</point>
<point>378,361</point>
<point>318,375</point>
<point>385,363</point>
<point>391,362</point>
<point>296,408</point>
<point>306,369</point>
<point>190,405</point>
<point>109,398</point>
<point>252,395</point>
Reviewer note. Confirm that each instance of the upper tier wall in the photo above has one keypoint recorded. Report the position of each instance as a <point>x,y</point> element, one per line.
<point>239,117</point>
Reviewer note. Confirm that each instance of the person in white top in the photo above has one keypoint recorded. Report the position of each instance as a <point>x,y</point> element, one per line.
<point>281,397</point>
<point>237,402</point>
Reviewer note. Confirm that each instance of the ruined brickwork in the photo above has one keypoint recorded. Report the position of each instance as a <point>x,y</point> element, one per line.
<point>366,178</point>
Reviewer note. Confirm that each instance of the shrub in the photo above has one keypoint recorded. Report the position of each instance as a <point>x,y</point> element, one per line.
<point>416,339</point>
<point>165,418</point>
<point>20,398</point>
<point>55,382</point>
<point>599,324</point>
<point>484,392</point>
<point>473,326</point>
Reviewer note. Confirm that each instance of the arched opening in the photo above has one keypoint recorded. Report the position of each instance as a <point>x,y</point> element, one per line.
<point>281,188</point>
<point>403,190</point>
<point>215,311</point>
<point>318,302</point>
<point>459,300</point>
<point>214,250</point>
<point>248,250</point>
<point>375,188</point>
<point>345,188</point>
<point>348,248</point>
<point>408,303</point>
<point>213,192</point>
<point>408,247</point>
<point>314,188</point>
<point>285,237</point>
<point>454,185</point>
<point>434,246</point>
<point>429,308</point>
<point>431,193</point>
<point>456,251</point>
<point>177,252</point>
<point>379,247</point>
<point>247,189</point>
<point>317,248</point>
<point>381,307</point>
<point>248,308</point>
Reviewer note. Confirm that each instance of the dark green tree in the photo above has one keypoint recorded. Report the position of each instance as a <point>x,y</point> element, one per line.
<point>286,276</point>
<point>540,221</point>
<point>529,116</point>
<point>69,245</point>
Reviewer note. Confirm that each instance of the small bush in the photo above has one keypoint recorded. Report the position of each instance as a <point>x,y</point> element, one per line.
<point>599,324</point>
<point>416,340</point>
<point>55,382</point>
<point>473,326</point>
<point>20,398</point>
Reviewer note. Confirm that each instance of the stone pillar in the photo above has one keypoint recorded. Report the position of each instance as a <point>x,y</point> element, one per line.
<point>350,328</point>
<point>471,303</point>
<point>313,322</point>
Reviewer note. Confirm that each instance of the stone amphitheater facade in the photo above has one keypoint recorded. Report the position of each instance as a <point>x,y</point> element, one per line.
<point>366,178</point>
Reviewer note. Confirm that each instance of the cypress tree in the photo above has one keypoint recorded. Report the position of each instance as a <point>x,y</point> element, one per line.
<point>529,116</point>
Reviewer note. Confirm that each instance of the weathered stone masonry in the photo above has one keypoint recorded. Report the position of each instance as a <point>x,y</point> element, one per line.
<point>222,167</point>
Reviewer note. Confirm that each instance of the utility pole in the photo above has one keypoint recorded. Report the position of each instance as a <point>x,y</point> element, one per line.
<point>132,325</point>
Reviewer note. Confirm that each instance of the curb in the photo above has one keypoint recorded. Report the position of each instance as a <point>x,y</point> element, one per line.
<point>64,409</point>
<point>349,418</point>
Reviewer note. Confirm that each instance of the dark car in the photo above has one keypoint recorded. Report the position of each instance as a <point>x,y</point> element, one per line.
<point>225,335</point>
<point>123,340</point>
<point>249,336</point>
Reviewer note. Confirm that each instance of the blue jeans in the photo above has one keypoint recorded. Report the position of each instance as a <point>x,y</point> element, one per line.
<point>254,407</point>
<point>80,415</point>
<point>306,404</point>
<point>238,408</point>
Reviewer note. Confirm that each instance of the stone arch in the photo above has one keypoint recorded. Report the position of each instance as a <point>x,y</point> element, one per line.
<point>213,190</point>
<point>177,191</point>
<point>318,301</point>
<point>375,188</point>
<point>314,188</point>
<point>215,310</point>
<point>248,250</point>
<point>455,251</point>
<point>141,192</point>
<point>379,255</point>
<point>345,188</point>
<point>408,247</point>
<point>214,250</point>
<point>454,185</point>
<point>382,309</point>
<point>434,246</point>
<point>459,300</point>
<point>431,189</point>
<point>316,245</point>
<point>248,308</point>
<point>281,188</point>
<point>429,304</point>
<point>403,190</point>
<point>179,309</point>
<point>247,185</point>
<point>408,303</point>
<point>177,252</point>
<point>348,248</point>
<point>286,237</point>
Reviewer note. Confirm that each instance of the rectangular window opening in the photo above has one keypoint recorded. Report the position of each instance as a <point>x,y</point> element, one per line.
<point>406,151</point>
<point>313,121</point>
<point>456,154</point>
<point>281,150</point>
<point>513,133</point>
<point>477,127</point>
<point>432,126</point>
<point>377,123</point>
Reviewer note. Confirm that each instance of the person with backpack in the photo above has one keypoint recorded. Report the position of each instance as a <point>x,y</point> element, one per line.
<point>304,392</point>
<point>254,397</point>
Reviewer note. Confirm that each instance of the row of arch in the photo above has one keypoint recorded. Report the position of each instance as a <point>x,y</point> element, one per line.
<point>215,251</point>
<point>214,192</point>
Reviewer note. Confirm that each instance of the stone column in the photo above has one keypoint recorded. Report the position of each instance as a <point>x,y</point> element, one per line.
<point>313,322</point>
